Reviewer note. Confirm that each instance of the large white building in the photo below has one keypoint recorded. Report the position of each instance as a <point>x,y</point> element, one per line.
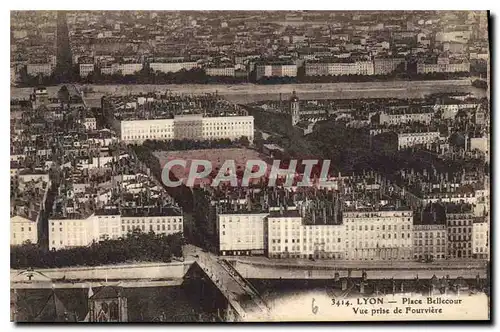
<point>406,140</point>
<point>480,238</point>
<point>220,71</point>
<point>86,69</point>
<point>289,236</point>
<point>426,68</point>
<point>351,68</point>
<point>397,118</point>
<point>35,69</point>
<point>126,68</point>
<point>339,68</point>
<point>23,229</point>
<point>242,234</point>
<point>172,67</point>
<point>78,232</point>
<point>196,127</point>
<point>378,235</point>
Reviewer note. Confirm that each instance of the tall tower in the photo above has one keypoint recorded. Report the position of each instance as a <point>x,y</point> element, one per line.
<point>294,109</point>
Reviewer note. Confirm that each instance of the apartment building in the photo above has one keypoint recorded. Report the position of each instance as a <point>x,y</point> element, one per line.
<point>429,241</point>
<point>275,70</point>
<point>339,68</point>
<point>459,227</point>
<point>90,123</point>
<point>426,68</point>
<point>197,127</point>
<point>160,221</point>
<point>284,239</point>
<point>406,140</point>
<point>316,69</point>
<point>23,229</point>
<point>481,238</point>
<point>291,236</point>
<point>242,233</point>
<point>220,71</point>
<point>378,235</point>
<point>323,241</point>
<point>27,205</point>
<point>126,68</point>
<point>86,68</point>
<point>351,68</point>
<point>405,116</point>
<point>172,67</point>
<point>77,231</point>
<point>35,69</point>
<point>70,232</point>
<point>384,66</point>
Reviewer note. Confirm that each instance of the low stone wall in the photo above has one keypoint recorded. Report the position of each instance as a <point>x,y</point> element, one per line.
<point>264,271</point>
<point>150,271</point>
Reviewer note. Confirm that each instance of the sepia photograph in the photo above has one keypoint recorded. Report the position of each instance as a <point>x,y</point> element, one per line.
<point>219,166</point>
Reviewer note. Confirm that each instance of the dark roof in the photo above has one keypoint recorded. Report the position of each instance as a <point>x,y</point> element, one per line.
<point>287,213</point>
<point>108,292</point>
<point>151,212</point>
<point>48,305</point>
<point>145,304</point>
<point>55,310</point>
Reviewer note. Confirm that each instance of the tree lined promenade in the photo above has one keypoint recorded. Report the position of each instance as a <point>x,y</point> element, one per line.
<point>135,247</point>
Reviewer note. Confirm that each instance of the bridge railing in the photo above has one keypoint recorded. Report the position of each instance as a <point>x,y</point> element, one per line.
<point>246,282</point>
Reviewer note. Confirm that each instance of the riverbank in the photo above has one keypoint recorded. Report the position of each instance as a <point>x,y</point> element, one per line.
<point>247,93</point>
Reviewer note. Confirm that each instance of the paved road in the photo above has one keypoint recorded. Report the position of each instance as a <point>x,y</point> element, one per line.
<point>459,264</point>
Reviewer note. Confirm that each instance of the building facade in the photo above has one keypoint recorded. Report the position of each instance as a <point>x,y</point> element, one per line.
<point>196,127</point>
<point>481,238</point>
<point>426,68</point>
<point>429,241</point>
<point>78,232</point>
<point>405,117</point>
<point>406,140</point>
<point>222,71</point>
<point>290,236</point>
<point>339,68</point>
<point>384,66</point>
<point>378,235</point>
<point>242,234</point>
<point>86,69</point>
<point>459,229</point>
<point>23,229</point>
<point>275,70</point>
<point>172,67</point>
<point>35,69</point>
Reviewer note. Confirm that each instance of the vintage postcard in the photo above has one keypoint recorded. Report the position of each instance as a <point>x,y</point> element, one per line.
<point>244,166</point>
